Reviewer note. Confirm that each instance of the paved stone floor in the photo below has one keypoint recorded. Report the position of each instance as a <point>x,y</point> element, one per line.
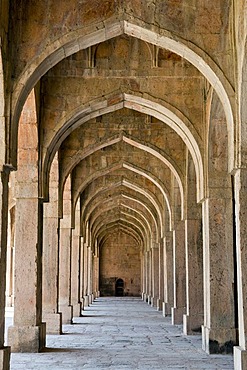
<point>121,333</point>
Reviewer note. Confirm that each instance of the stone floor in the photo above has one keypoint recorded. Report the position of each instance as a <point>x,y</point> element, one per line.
<point>121,333</point>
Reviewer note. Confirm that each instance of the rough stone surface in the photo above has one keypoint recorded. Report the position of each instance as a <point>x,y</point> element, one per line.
<point>129,118</point>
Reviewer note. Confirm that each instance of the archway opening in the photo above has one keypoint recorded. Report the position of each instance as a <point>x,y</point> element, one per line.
<point>119,288</point>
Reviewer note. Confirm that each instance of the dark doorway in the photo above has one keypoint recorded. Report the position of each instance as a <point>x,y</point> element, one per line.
<point>119,288</point>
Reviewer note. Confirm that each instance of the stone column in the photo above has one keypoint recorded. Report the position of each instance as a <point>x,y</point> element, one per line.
<point>149,275</point>
<point>168,274</point>
<point>142,276</point>
<point>10,258</point>
<point>81,272</point>
<point>4,351</point>
<point>50,314</point>
<point>145,277</point>
<point>75,299</point>
<point>65,271</point>
<point>179,305</point>
<point>160,300</point>
<point>96,273</point>
<point>155,273</point>
<point>240,190</point>
<point>50,282</point>
<point>193,319</point>
<point>218,331</point>
<point>89,280</point>
<point>85,280</point>
<point>28,333</point>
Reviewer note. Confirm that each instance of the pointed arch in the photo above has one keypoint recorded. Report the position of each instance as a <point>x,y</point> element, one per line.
<point>89,36</point>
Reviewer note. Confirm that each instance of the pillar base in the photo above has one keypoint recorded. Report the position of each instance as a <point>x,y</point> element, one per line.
<point>159,305</point>
<point>166,309</point>
<point>86,301</point>
<point>67,313</point>
<point>5,358</point>
<point>145,297</point>
<point>149,299</point>
<point>82,304</point>
<point>192,324</point>
<point>77,309</point>
<point>153,302</point>
<point>27,338</point>
<point>53,322</point>
<point>240,358</point>
<point>95,294</point>
<point>177,315</point>
<point>218,340</point>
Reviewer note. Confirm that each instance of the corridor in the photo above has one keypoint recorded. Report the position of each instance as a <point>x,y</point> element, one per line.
<point>121,333</point>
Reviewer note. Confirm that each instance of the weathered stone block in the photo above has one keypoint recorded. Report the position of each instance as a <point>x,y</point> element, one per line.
<point>27,338</point>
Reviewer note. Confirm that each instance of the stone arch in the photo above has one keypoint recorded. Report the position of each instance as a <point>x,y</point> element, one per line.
<point>142,105</point>
<point>139,104</point>
<point>105,233</point>
<point>81,39</point>
<point>138,190</point>
<point>130,218</point>
<point>131,225</point>
<point>138,145</point>
<point>134,169</point>
<point>135,143</point>
<point>119,196</point>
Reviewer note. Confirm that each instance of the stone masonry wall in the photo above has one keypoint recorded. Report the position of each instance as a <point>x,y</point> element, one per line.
<point>120,259</point>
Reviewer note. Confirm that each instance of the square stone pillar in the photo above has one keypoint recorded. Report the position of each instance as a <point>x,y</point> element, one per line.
<point>178,308</point>
<point>145,276</point>
<point>240,192</point>
<point>155,273</point>
<point>143,285</point>
<point>65,271</point>
<point>81,272</point>
<point>160,300</point>
<point>50,314</point>
<point>218,331</point>
<point>149,277</point>
<point>96,270</point>
<point>96,273</point>
<point>193,319</point>
<point>75,299</point>
<point>85,275</point>
<point>28,333</point>
<point>4,351</point>
<point>89,279</point>
<point>168,273</point>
